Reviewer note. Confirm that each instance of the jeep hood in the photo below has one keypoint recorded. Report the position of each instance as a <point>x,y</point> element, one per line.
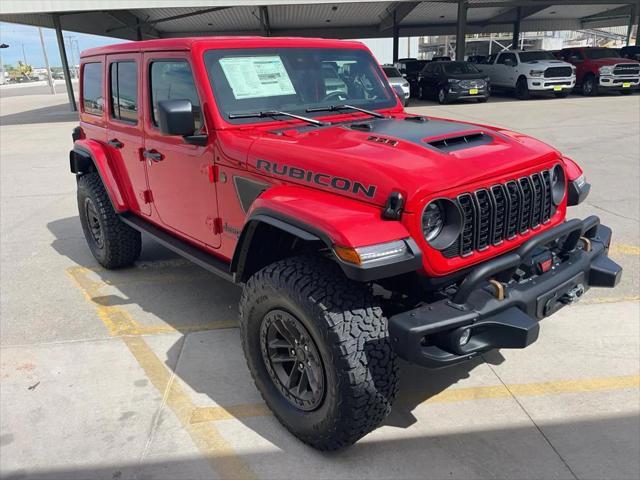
<point>417,156</point>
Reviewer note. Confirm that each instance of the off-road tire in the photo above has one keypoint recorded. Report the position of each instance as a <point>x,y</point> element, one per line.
<point>121,244</point>
<point>351,335</point>
<point>522,89</point>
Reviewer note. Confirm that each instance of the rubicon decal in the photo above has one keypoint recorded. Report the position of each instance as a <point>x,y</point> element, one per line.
<point>322,179</point>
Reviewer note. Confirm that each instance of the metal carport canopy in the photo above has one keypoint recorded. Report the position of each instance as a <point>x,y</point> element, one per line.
<point>144,19</point>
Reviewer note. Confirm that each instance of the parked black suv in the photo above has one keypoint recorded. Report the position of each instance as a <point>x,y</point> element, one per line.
<point>410,68</point>
<point>449,81</point>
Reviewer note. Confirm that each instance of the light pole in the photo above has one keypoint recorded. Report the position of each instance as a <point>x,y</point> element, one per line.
<point>46,64</point>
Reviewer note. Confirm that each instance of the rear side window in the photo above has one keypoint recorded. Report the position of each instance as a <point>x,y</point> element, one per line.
<point>124,91</point>
<point>92,100</point>
<point>173,80</point>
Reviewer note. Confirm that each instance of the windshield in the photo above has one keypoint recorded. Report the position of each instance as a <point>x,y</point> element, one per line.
<point>294,80</point>
<point>391,72</point>
<point>456,68</point>
<point>533,56</point>
<point>596,53</point>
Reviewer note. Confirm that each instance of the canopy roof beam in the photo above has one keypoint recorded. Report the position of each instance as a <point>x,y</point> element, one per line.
<point>395,14</point>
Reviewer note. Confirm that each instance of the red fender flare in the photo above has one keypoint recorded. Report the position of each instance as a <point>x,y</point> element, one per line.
<point>101,160</point>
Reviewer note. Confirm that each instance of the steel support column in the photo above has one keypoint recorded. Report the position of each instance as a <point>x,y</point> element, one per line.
<point>396,39</point>
<point>633,19</point>
<point>516,29</point>
<point>461,29</point>
<point>65,63</point>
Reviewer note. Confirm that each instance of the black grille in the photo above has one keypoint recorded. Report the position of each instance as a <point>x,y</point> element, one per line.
<point>553,72</point>
<point>626,69</point>
<point>502,212</point>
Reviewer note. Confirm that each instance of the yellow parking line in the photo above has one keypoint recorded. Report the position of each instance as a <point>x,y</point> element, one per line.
<point>622,249</point>
<point>218,413</point>
<point>220,454</point>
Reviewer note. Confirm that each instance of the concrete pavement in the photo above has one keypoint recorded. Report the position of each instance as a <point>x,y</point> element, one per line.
<point>138,373</point>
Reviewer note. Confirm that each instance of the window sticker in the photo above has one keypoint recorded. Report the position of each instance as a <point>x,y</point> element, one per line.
<point>254,77</point>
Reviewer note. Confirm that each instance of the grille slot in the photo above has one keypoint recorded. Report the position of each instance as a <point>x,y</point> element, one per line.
<point>504,211</point>
<point>468,224</point>
<point>626,69</point>
<point>553,72</point>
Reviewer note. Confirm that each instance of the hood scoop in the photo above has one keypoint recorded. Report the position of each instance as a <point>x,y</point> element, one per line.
<point>460,142</point>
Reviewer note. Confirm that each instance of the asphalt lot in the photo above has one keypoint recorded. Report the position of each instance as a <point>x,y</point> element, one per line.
<point>138,373</point>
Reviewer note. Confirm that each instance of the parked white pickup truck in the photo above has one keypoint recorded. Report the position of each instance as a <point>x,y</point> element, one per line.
<point>529,71</point>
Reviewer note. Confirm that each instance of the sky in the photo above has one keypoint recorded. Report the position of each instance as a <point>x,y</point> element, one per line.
<point>19,36</point>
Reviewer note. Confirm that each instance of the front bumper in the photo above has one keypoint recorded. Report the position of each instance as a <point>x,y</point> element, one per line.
<point>618,82</point>
<point>551,84</point>
<point>505,315</point>
<point>457,93</point>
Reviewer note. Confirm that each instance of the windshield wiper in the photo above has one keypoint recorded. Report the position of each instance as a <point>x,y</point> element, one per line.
<point>276,113</point>
<point>335,108</point>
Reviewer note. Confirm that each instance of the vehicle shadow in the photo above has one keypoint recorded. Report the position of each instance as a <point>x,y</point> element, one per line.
<point>601,446</point>
<point>171,295</point>
<point>50,114</point>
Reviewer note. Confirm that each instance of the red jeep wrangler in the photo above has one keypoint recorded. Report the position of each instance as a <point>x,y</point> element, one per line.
<point>602,69</point>
<point>360,233</point>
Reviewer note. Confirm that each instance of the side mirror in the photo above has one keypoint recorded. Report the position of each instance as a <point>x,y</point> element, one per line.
<point>574,59</point>
<point>509,63</point>
<point>175,117</point>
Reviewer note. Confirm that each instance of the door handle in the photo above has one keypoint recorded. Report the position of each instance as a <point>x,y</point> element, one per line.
<point>153,155</point>
<point>115,143</point>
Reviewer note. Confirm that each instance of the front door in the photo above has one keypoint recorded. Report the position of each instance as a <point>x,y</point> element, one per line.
<point>124,132</point>
<point>180,174</point>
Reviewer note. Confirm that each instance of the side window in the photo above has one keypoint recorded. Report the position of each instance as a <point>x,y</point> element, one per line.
<point>173,80</point>
<point>92,100</point>
<point>124,91</point>
<point>507,59</point>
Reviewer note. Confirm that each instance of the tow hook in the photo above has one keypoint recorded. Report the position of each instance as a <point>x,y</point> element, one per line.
<point>572,295</point>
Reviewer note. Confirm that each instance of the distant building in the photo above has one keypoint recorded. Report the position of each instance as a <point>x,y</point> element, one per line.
<point>486,44</point>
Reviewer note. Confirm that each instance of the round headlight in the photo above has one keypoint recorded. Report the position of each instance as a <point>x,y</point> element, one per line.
<point>441,223</point>
<point>558,184</point>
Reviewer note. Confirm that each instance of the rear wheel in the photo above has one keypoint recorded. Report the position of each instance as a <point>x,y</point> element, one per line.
<point>112,243</point>
<point>318,349</point>
<point>522,89</point>
<point>589,86</point>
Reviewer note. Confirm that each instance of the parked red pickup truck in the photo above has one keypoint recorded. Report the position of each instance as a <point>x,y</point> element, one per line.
<point>359,232</point>
<point>602,69</point>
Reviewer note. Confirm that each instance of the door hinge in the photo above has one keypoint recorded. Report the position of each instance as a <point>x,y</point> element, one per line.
<point>213,172</point>
<point>147,196</point>
<point>215,225</point>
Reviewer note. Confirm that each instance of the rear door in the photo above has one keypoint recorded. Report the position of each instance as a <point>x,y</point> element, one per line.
<point>125,135</point>
<point>181,174</point>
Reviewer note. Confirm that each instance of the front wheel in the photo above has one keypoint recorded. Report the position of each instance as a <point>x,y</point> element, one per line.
<point>589,86</point>
<point>443,97</point>
<point>522,89</point>
<point>318,349</point>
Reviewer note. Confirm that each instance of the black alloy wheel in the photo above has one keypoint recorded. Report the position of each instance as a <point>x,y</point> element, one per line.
<point>93,221</point>
<point>292,360</point>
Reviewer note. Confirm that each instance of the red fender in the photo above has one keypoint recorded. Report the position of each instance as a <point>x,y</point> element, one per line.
<point>346,222</point>
<point>572,168</point>
<point>108,174</point>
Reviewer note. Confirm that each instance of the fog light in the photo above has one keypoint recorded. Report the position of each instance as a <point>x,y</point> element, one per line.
<point>464,337</point>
